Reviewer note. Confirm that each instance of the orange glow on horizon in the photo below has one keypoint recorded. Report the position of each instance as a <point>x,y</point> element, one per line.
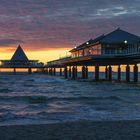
<point>45,56</point>
<point>49,54</point>
<point>41,55</point>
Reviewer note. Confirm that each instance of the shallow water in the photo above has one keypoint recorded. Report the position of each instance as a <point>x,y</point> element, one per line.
<point>33,99</point>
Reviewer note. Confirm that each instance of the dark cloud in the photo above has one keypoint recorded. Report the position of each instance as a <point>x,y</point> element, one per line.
<point>8,42</point>
<point>63,23</point>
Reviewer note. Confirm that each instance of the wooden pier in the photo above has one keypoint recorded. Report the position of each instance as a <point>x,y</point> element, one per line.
<point>70,67</point>
<point>20,61</point>
<point>114,49</point>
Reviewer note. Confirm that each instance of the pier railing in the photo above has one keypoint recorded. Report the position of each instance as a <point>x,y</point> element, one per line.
<point>59,62</point>
<point>20,64</point>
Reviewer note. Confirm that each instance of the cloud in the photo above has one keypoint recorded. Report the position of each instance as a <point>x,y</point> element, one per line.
<point>62,23</point>
<point>8,42</point>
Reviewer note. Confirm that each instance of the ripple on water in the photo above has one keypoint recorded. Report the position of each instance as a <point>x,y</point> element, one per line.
<point>5,90</point>
<point>45,98</point>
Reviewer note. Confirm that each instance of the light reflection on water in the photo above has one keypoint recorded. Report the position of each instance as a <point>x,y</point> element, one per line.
<point>38,98</point>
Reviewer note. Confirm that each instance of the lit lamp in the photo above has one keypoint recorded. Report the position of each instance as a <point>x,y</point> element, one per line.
<point>125,41</point>
<point>87,43</point>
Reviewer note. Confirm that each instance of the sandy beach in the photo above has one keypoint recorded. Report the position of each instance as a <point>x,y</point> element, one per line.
<point>83,130</point>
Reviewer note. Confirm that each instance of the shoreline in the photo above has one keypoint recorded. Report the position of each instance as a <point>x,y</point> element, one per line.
<point>87,130</point>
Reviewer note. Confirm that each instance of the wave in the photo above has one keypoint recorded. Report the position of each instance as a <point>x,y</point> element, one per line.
<point>30,99</point>
<point>5,90</point>
<point>15,116</point>
<point>84,98</point>
<point>30,80</point>
<point>29,85</point>
<point>127,89</point>
<point>50,80</point>
<point>7,116</point>
<point>44,99</point>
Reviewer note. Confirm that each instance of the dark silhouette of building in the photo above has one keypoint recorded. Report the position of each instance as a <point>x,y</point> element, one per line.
<point>118,42</point>
<point>19,55</point>
<point>19,59</point>
<point>114,49</point>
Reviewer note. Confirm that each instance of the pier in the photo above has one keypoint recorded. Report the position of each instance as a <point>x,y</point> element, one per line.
<point>118,48</point>
<point>19,60</point>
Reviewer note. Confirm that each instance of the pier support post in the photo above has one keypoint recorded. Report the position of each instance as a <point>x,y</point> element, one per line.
<point>135,73</point>
<point>66,72</point>
<point>46,70</point>
<point>29,71</point>
<point>76,72</point>
<point>110,73</point>
<point>119,73</point>
<point>127,73</point>
<point>14,70</point>
<point>73,72</point>
<point>106,72</point>
<point>97,73</point>
<point>51,71</point>
<point>70,71</point>
<point>42,70</point>
<point>60,71</point>
<point>86,72</point>
<point>54,71</point>
<point>83,72</point>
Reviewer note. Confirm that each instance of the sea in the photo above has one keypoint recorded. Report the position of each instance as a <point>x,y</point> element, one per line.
<point>42,99</point>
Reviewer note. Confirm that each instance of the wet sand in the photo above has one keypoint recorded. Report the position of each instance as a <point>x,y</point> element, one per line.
<point>82,130</point>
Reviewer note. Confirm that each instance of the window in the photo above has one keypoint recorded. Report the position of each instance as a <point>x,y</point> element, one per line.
<point>81,53</point>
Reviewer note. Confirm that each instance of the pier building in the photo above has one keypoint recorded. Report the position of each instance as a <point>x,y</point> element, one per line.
<point>20,60</point>
<point>113,49</point>
<point>118,42</point>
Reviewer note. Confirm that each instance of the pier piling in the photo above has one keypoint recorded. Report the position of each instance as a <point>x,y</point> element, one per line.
<point>29,71</point>
<point>73,72</point>
<point>96,73</point>
<point>46,70</point>
<point>14,70</point>
<point>127,73</point>
<point>135,73</point>
<point>83,72</point>
<point>65,72</point>
<point>106,72</point>
<point>60,71</point>
<point>54,71</point>
<point>110,73</point>
<point>119,73</point>
<point>70,72</point>
<point>51,71</point>
<point>86,72</point>
<point>76,72</point>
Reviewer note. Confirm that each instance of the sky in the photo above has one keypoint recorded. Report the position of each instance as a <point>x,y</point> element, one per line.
<point>48,29</point>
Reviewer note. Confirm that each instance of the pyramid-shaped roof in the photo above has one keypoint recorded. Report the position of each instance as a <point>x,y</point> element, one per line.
<point>119,36</point>
<point>19,55</point>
